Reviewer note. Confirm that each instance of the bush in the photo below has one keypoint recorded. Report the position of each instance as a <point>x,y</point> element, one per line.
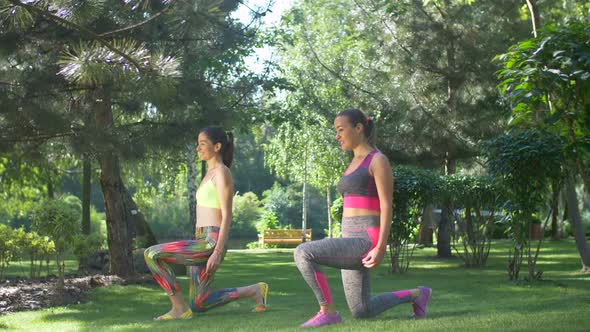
<point>8,247</point>
<point>475,202</point>
<point>258,245</point>
<point>268,220</point>
<point>16,243</point>
<point>39,249</point>
<point>524,162</point>
<point>60,220</point>
<point>246,212</point>
<point>413,189</point>
<point>167,217</point>
<point>283,202</point>
<point>98,223</point>
<point>84,246</point>
<point>501,230</point>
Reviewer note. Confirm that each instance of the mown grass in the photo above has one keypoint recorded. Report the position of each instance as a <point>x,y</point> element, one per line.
<point>463,299</point>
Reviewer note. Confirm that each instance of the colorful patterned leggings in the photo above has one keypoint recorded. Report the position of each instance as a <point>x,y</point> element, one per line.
<point>193,253</point>
<point>359,236</point>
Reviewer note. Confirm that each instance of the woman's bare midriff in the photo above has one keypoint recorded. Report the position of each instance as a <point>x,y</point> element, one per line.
<point>351,212</point>
<point>208,216</point>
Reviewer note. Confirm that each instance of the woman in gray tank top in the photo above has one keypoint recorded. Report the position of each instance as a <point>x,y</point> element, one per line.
<point>367,187</point>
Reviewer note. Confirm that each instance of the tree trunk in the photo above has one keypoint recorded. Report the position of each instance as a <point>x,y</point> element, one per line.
<point>329,203</point>
<point>576,222</point>
<point>443,245</point>
<point>534,11</point>
<point>426,226</point>
<point>50,190</point>
<point>304,209</point>
<point>191,177</point>
<point>555,210</point>
<point>564,216</point>
<point>86,190</point>
<point>454,79</point>
<point>119,228</point>
<point>140,227</point>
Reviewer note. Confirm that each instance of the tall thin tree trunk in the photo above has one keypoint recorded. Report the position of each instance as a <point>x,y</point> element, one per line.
<point>564,216</point>
<point>86,190</point>
<point>535,19</point>
<point>454,81</point>
<point>556,186</point>
<point>576,222</point>
<point>50,190</point>
<point>329,203</point>
<point>443,245</point>
<point>426,226</point>
<point>119,232</point>
<point>304,209</point>
<point>191,186</point>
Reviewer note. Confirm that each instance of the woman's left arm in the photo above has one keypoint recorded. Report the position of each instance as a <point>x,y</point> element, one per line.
<point>384,181</point>
<point>224,185</point>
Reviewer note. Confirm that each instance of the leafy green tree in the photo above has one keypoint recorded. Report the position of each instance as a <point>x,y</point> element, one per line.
<point>525,161</point>
<point>475,201</point>
<point>300,150</point>
<point>284,202</point>
<point>546,80</point>
<point>249,172</point>
<point>420,68</point>
<point>246,212</point>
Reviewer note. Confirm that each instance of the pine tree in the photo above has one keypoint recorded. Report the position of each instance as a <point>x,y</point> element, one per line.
<point>119,80</point>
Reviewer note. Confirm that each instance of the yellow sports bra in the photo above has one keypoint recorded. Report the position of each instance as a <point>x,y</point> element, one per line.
<point>207,195</point>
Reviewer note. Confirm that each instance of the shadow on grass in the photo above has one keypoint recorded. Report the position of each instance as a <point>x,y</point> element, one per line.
<point>467,296</point>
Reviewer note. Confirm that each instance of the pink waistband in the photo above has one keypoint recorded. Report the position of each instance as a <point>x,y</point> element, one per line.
<point>362,202</point>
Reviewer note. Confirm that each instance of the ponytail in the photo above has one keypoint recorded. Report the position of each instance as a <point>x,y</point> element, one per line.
<point>226,139</point>
<point>227,150</point>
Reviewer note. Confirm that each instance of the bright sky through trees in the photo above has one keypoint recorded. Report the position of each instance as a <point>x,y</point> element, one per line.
<point>244,14</point>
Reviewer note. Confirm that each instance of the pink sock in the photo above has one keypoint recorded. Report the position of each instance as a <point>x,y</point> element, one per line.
<point>402,293</point>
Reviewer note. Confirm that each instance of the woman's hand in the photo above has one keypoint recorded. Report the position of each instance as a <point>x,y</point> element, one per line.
<point>374,257</point>
<point>213,263</point>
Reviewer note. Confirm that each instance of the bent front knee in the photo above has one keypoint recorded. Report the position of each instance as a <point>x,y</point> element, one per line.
<point>302,252</point>
<point>360,312</point>
<point>198,307</point>
<point>148,254</point>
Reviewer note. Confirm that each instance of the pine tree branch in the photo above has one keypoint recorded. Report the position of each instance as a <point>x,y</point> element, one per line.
<point>80,29</point>
<point>33,138</point>
<point>137,25</point>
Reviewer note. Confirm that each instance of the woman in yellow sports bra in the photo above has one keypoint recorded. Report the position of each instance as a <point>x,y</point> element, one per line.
<point>204,254</point>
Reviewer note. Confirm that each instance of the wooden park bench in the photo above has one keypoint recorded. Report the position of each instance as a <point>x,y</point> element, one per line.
<point>283,236</point>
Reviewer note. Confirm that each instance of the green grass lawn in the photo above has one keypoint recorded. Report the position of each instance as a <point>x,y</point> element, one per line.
<point>463,299</point>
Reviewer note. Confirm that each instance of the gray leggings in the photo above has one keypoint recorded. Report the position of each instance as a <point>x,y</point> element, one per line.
<point>359,236</point>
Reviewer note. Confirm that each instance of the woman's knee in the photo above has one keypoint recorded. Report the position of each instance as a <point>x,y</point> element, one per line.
<point>302,253</point>
<point>149,253</point>
<point>197,306</point>
<point>359,311</point>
